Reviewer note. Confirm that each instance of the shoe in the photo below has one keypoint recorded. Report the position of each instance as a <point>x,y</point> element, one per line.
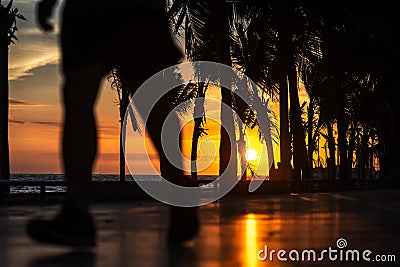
<point>66,229</point>
<point>184,225</point>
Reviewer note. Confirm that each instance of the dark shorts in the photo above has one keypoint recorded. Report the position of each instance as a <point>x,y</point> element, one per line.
<point>136,39</point>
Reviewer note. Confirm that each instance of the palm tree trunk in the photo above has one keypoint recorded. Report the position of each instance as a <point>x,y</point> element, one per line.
<point>193,154</point>
<point>310,141</point>
<point>364,153</point>
<point>300,162</point>
<point>371,156</point>
<point>197,131</point>
<point>284,167</point>
<point>4,148</point>
<point>352,144</point>
<point>124,102</point>
<point>122,173</point>
<point>227,126</point>
<point>332,158</point>
<point>241,108</point>
<point>242,152</point>
<point>222,42</point>
<point>342,130</point>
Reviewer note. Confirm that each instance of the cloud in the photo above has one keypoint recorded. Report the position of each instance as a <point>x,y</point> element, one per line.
<point>18,103</point>
<point>103,129</point>
<point>34,48</point>
<point>45,123</point>
<point>29,55</point>
<point>21,103</point>
<point>19,122</point>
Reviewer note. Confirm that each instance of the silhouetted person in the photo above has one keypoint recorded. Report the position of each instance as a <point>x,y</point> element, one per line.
<point>96,35</point>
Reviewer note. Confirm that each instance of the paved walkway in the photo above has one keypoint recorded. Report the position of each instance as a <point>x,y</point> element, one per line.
<point>233,232</point>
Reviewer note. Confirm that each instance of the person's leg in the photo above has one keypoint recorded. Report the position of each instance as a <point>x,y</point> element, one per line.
<point>183,224</point>
<point>155,125</point>
<point>80,136</point>
<point>157,53</point>
<point>74,226</point>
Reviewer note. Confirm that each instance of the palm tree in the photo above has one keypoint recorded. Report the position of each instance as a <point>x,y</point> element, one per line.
<point>345,42</point>
<point>8,27</point>
<point>202,27</point>
<point>206,30</point>
<point>268,42</point>
<point>184,100</point>
<point>253,54</point>
<point>199,130</point>
<point>285,19</point>
<point>220,29</point>
<point>123,91</point>
<point>278,50</point>
<point>312,125</point>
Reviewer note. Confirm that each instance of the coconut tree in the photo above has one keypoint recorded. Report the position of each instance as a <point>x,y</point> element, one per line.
<point>190,99</point>
<point>199,130</point>
<point>347,39</point>
<point>8,28</point>
<point>203,41</point>
<point>206,31</point>
<point>308,72</point>
<point>220,34</point>
<point>268,54</point>
<point>253,53</point>
<point>287,24</point>
<point>117,82</point>
<point>339,34</point>
<point>283,35</point>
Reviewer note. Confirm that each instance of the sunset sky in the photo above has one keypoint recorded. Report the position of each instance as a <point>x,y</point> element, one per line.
<point>36,114</point>
<point>35,107</point>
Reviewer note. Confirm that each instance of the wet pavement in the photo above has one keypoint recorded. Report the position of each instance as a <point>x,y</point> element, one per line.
<point>235,231</point>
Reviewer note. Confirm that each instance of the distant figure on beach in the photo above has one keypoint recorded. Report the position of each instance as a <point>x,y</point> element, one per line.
<point>97,35</point>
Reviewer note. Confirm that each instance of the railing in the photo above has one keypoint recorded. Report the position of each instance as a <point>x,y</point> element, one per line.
<point>41,184</point>
<point>118,189</point>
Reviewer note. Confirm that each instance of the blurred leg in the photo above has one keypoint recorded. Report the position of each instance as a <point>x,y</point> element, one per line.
<point>74,226</point>
<point>155,125</point>
<point>80,136</point>
<point>183,224</point>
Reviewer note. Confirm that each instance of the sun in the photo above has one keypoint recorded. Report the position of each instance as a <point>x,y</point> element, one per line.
<point>251,154</point>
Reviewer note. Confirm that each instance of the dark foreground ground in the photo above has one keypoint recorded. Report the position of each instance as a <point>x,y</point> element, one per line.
<point>233,232</point>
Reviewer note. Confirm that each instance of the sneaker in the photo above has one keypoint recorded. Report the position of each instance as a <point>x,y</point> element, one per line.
<point>66,229</point>
<point>184,225</point>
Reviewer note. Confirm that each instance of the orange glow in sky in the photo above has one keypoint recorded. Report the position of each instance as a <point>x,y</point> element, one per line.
<point>36,111</point>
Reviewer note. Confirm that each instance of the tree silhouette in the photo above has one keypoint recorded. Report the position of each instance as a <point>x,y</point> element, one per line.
<point>8,28</point>
<point>207,37</point>
<point>271,29</point>
<point>117,83</point>
<point>191,95</point>
<point>332,48</point>
<point>198,130</point>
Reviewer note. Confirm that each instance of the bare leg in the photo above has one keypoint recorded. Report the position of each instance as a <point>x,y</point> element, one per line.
<point>183,223</point>
<point>80,136</point>
<point>74,226</point>
<point>155,123</point>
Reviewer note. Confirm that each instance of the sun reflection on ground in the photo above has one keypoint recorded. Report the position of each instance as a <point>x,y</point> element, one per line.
<point>251,240</point>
